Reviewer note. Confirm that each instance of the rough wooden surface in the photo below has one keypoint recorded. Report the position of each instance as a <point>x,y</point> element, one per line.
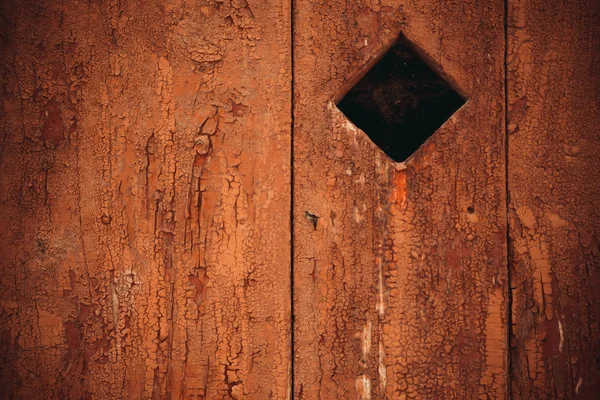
<point>400,276</point>
<point>145,199</point>
<point>554,186</point>
<point>145,203</point>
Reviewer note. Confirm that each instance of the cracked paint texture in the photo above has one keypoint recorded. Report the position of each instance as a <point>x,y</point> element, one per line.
<point>145,199</point>
<point>411,255</point>
<point>554,209</point>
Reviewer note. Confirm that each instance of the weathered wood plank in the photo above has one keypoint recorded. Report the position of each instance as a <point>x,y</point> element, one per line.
<point>554,175</point>
<point>400,276</point>
<point>145,199</point>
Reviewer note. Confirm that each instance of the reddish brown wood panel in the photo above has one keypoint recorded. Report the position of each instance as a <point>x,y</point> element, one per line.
<point>400,275</point>
<point>554,148</point>
<point>145,199</point>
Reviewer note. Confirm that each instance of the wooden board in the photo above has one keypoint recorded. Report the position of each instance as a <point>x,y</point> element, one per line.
<point>145,199</point>
<point>400,275</point>
<point>554,147</point>
<point>145,203</point>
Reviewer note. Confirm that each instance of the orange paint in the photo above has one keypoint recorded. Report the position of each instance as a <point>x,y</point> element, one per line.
<point>399,192</point>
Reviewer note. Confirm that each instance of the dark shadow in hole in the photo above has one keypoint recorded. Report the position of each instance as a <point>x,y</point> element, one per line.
<point>400,102</point>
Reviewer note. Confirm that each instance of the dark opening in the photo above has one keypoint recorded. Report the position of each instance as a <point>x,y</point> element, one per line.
<point>400,102</point>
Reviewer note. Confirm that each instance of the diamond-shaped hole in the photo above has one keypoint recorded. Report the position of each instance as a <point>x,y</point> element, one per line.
<point>400,102</point>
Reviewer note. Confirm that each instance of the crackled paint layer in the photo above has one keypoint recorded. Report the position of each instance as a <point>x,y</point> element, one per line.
<point>553,119</point>
<point>414,252</point>
<point>144,199</point>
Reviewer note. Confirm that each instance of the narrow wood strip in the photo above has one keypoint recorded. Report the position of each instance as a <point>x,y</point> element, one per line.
<point>554,114</point>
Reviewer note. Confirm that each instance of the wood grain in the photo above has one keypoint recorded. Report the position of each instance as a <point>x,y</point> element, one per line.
<point>145,199</point>
<point>400,275</point>
<point>146,186</point>
<point>554,175</point>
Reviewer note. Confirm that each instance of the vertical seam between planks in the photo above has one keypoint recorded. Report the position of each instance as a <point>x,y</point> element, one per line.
<point>507,198</point>
<point>292,264</point>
